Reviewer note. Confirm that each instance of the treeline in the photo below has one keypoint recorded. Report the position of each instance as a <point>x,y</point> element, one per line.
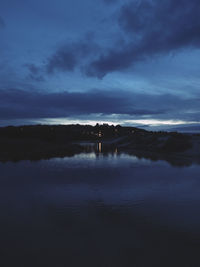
<point>60,133</point>
<point>46,141</point>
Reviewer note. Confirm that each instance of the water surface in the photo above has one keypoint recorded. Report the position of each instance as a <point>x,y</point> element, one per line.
<point>97,210</point>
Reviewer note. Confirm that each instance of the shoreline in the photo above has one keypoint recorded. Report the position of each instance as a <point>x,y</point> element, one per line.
<point>45,142</point>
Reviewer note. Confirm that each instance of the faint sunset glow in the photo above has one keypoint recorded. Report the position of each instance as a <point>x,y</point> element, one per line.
<point>157,122</point>
<point>134,122</point>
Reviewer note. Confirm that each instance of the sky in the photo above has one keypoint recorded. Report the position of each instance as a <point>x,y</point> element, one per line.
<point>128,62</point>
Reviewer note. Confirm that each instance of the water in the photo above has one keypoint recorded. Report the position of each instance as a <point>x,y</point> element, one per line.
<point>96,210</point>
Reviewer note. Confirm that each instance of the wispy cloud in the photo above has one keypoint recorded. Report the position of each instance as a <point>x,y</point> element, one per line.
<point>72,54</point>
<point>2,23</point>
<point>35,72</point>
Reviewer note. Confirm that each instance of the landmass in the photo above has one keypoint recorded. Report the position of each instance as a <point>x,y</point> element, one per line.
<point>35,142</point>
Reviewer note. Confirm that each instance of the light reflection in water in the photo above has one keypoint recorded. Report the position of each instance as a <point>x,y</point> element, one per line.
<point>99,147</point>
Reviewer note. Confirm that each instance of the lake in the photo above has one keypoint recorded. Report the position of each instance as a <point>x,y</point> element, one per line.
<point>99,210</point>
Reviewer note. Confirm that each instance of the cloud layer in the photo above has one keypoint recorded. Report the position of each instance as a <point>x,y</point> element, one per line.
<point>16,103</point>
<point>150,28</point>
<point>153,28</point>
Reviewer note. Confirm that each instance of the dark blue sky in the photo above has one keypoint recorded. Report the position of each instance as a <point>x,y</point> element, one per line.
<point>119,61</point>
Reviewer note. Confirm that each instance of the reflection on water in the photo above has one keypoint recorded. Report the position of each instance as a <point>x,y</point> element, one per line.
<point>99,147</point>
<point>106,149</point>
<point>96,210</point>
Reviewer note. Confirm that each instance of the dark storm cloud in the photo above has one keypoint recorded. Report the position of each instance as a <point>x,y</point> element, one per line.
<point>2,23</point>
<point>29,104</point>
<point>153,27</point>
<point>23,104</point>
<point>69,56</point>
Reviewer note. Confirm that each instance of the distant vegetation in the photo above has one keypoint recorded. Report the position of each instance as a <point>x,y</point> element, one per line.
<point>60,133</point>
<point>45,141</point>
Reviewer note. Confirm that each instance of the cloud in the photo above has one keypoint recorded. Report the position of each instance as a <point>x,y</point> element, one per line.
<point>64,59</point>
<point>153,28</point>
<point>22,104</point>
<point>71,55</point>
<point>18,104</point>
<point>34,72</point>
<point>2,23</point>
<point>33,68</point>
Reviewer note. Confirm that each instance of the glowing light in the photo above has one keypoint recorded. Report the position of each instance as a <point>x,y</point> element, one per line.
<point>137,122</point>
<point>156,122</point>
<point>75,121</point>
<point>100,147</point>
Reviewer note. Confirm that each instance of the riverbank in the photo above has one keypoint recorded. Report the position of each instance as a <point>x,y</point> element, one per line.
<point>44,142</point>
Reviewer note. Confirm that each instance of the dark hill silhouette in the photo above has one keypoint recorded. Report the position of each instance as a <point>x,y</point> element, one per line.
<point>36,142</point>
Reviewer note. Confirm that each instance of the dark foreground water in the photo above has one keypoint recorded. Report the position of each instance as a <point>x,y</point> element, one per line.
<point>92,210</point>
